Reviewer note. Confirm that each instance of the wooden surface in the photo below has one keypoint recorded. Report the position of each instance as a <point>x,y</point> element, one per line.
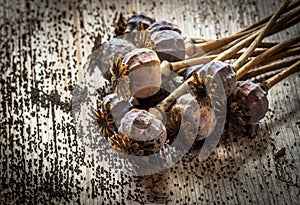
<point>43,47</point>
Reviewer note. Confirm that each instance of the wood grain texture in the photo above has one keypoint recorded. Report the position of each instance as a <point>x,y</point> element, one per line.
<point>44,46</point>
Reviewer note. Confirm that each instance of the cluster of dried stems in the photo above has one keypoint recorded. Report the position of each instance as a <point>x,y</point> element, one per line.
<point>251,57</point>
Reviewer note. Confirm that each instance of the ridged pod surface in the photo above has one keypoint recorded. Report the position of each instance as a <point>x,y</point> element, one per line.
<point>251,99</point>
<point>224,71</point>
<point>117,107</point>
<point>144,71</point>
<point>134,20</point>
<point>183,118</point>
<point>169,45</point>
<point>110,51</point>
<point>144,128</point>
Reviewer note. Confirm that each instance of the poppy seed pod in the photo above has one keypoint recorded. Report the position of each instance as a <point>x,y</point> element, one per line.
<point>224,71</point>
<point>117,107</point>
<point>144,72</point>
<point>144,128</point>
<point>169,45</point>
<point>250,100</point>
<point>134,20</point>
<point>108,52</point>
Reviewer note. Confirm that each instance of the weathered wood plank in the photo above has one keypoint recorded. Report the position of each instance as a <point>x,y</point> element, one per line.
<point>44,45</point>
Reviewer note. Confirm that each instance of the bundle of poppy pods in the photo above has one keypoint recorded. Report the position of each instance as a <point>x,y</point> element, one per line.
<point>163,81</point>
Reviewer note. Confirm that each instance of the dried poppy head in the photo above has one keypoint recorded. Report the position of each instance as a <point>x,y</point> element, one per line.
<point>169,45</point>
<point>144,72</point>
<point>144,129</point>
<point>216,69</point>
<point>145,19</point>
<point>248,102</point>
<point>117,107</point>
<point>109,51</point>
<point>199,88</point>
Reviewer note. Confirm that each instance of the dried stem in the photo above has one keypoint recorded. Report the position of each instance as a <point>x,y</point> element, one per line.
<point>282,75</point>
<point>229,52</point>
<point>206,47</point>
<point>160,109</point>
<point>180,70</point>
<point>283,54</point>
<point>285,21</point>
<point>266,45</point>
<point>166,67</point>
<point>271,67</point>
<point>181,66</point>
<point>242,59</point>
<point>268,53</point>
<point>254,54</point>
<point>225,47</point>
<point>220,50</point>
<point>263,78</point>
<point>289,20</point>
<point>258,36</point>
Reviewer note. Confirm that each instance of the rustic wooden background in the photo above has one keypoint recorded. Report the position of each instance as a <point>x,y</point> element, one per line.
<point>43,47</point>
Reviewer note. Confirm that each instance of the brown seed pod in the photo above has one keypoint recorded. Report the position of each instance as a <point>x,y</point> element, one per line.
<point>187,112</point>
<point>109,51</point>
<point>173,122</point>
<point>144,72</point>
<point>143,127</point>
<point>183,116</point>
<point>133,22</point>
<point>110,113</point>
<point>248,103</point>
<point>207,115</point>
<point>117,107</point>
<point>169,45</point>
<point>225,72</point>
<point>163,25</point>
<point>211,101</point>
<point>216,69</point>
